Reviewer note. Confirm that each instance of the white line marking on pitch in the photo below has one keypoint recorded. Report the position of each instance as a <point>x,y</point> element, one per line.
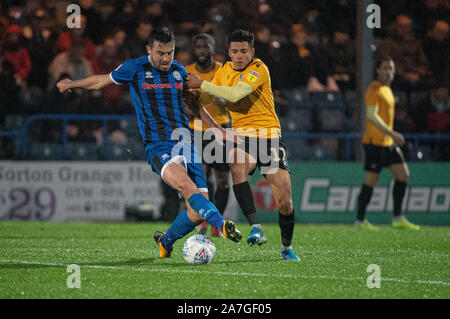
<point>429,282</point>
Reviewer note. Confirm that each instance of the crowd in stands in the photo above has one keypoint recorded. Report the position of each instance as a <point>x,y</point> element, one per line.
<point>307,45</point>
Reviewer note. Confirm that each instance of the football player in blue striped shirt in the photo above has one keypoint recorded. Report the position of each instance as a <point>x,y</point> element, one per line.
<point>157,84</point>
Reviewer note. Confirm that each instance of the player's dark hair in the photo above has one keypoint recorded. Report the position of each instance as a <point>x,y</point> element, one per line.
<point>161,34</point>
<point>240,35</point>
<point>207,37</point>
<point>380,60</point>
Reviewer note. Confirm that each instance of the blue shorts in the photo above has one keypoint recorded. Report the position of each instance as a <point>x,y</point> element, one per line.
<point>161,154</point>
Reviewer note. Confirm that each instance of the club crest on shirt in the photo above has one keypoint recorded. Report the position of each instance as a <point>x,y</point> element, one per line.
<point>252,76</point>
<point>177,75</point>
<point>148,75</point>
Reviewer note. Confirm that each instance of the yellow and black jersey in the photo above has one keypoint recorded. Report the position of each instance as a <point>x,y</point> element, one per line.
<point>253,115</point>
<point>218,113</point>
<point>381,96</point>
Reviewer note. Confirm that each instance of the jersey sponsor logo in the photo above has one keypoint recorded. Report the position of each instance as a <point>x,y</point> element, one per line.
<point>147,86</point>
<point>252,76</point>
<point>177,75</point>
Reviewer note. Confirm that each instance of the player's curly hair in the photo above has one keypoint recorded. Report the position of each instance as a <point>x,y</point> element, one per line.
<point>241,35</point>
<point>161,34</point>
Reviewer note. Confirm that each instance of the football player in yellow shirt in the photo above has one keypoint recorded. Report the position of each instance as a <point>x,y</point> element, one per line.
<point>244,83</point>
<point>382,146</point>
<point>205,67</point>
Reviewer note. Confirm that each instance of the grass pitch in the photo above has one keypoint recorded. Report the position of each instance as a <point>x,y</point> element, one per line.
<point>121,261</point>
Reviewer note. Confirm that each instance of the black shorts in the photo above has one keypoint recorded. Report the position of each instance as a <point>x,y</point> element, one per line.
<point>210,158</point>
<point>218,162</point>
<point>269,153</point>
<point>376,157</point>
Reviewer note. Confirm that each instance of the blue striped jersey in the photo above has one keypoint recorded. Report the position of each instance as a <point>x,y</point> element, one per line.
<point>157,97</point>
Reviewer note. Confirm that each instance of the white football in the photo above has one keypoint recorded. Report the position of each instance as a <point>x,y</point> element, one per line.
<point>199,249</point>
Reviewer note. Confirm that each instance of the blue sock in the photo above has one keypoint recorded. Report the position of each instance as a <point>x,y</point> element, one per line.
<point>181,226</point>
<point>207,210</point>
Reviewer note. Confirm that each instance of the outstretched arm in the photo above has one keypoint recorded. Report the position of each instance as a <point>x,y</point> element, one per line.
<point>229,93</point>
<point>93,82</point>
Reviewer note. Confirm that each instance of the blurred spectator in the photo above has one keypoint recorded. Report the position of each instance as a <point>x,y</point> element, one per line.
<point>267,52</point>
<point>136,45</point>
<point>340,14</point>
<point>190,11</point>
<point>426,12</point>
<point>437,118</point>
<point>75,66</point>
<point>306,65</point>
<point>436,102</point>
<point>184,57</point>
<point>184,32</point>
<point>432,116</point>
<point>246,13</point>
<point>155,13</point>
<point>341,50</point>
<point>9,89</point>
<point>265,12</point>
<point>411,64</point>
<point>107,60</point>
<point>3,27</point>
<point>119,36</point>
<point>39,43</point>
<point>437,48</point>
<point>93,20</point>
<point>76,132</point>
<point>124,17</point>
<point>66,38</point>
<point>16,54</point>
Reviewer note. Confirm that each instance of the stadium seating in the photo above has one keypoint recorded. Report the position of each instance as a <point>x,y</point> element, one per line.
<point>298,97</point>
<point>82,151</point>
<point>45,151</point>
<point>130,128</point>
<point>297,120</point>
<point>117,152</point>
<point>14,122</point>
<point>299,117</point>
<point>330,111</point>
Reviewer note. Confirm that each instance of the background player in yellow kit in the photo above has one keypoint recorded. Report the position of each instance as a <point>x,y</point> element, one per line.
<point>205,67</point>
<point>245,84</point>
<point>382,146</point>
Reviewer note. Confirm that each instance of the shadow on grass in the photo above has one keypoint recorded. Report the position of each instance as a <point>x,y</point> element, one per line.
<point>224,262</point>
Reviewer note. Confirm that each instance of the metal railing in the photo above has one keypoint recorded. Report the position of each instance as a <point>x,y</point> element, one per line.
<point>65,118</point>
<point>348,138</point>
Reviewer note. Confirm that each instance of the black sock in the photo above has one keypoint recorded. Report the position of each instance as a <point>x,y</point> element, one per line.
<point>398,193</point>
<point>221,198</point>
<point>363,201</point>
<point>244,197</point>
<point>286,223</point>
